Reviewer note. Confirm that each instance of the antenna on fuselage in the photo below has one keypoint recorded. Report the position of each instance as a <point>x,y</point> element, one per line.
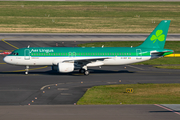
<point>28,46</point>
<point>102,46</point>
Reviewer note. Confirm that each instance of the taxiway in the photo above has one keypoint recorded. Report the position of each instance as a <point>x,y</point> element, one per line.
<point>60,92</point>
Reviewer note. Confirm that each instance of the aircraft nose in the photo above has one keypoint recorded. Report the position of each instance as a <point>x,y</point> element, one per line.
<point>6,59</point>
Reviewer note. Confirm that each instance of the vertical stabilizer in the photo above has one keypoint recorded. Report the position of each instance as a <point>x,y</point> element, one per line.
<point>157,38</point>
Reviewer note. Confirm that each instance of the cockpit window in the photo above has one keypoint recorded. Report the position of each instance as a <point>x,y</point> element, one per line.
<point>13,53</point>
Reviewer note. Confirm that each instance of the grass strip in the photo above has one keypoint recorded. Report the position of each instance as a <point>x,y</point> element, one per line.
<point>142,94</point>
<point>87,17</point>
<point>168,66</point>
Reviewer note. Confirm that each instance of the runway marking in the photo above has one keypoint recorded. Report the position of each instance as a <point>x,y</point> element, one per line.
<point>25,70</point>
<point>135,67</point>
<point>66,94</point>
<point>63,89</point>
<point>10,44</point>
<point>167,109</point>
<point>2,63</point>
<point>42,88</point>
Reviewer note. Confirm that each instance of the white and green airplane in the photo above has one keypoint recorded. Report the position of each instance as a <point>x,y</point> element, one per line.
<point>68,59</point>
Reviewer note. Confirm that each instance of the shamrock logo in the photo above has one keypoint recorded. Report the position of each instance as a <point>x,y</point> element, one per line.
<point>159,36</point>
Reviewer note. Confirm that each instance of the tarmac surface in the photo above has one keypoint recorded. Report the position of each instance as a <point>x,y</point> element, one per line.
<point>45,94</point>
<point>100,0</point>
<point>87,112</point>
<point>81,36</point>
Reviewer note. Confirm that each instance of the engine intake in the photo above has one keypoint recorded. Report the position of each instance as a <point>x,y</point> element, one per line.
<point>65,67</point>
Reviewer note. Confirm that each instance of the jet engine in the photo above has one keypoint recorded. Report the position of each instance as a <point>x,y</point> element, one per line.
<point>65,67</point>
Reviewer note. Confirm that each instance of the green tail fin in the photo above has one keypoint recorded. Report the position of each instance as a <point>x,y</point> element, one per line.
<point>157,38</point>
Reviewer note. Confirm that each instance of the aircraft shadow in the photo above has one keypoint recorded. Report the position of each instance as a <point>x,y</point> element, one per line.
<point>75,73</point>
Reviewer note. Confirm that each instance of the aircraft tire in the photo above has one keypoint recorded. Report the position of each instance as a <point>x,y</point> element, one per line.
<point>86,72</point>
<point>81,70</point>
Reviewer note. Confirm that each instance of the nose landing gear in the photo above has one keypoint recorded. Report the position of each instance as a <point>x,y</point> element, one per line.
<point>27,69</point>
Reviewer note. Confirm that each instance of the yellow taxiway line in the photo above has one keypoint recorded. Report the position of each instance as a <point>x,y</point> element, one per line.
<point>10,44</point>
<point>25,70</point>
<point>19,70</point>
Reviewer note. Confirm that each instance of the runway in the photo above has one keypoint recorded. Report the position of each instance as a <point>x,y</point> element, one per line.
<point>81,36</point>
<point>60,92</point>
<point>87,112</point>
<point>102,0</point>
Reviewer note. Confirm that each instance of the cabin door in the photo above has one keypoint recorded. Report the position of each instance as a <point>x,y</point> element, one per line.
<point>138,54</point>
<point>27,54</point>
<point>72,54</point>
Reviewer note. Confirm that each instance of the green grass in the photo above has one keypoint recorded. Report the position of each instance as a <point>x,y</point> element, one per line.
<point>169,66</point>
<point>174,45</point>
<point>143,94</point>
<point>87,17</point>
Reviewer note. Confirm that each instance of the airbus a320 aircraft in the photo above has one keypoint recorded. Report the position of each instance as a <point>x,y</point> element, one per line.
<point>68,59</point>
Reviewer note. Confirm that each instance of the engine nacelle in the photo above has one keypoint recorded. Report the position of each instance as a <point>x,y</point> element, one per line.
<point>65,67</point>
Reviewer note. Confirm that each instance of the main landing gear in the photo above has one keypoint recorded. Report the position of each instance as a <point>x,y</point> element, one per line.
<point>27,69</point>
<point>86,72</point>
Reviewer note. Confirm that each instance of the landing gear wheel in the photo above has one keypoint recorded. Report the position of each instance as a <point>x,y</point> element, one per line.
<point>81,71</point>
<point>86,72</point>
<point>27,69</point>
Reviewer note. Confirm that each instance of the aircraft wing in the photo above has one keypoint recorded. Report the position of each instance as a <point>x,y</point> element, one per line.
<point>86,60</point>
